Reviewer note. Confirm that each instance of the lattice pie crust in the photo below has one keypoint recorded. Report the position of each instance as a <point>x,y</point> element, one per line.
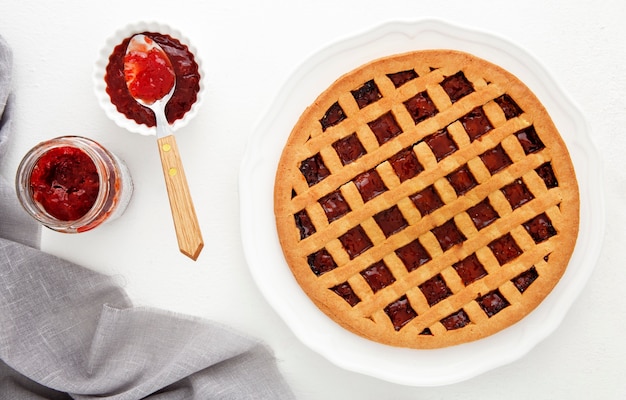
<point>426,200</point>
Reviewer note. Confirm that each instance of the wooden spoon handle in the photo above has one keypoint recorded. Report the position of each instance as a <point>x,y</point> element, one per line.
<point>185,220</point>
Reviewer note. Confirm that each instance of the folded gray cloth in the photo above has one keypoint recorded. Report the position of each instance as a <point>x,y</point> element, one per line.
<point>67,332</point>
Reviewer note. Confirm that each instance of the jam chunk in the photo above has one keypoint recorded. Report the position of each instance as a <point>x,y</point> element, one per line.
<point>333,116</point>
<point>476,123</point>
<point>470,269</point>
<point>349,149</point>
<point>321,262</point>
<point>505,249</point>
<point>435,290</point>
<point>391,221</point>
<point>517,193</point>
<point>413,255</point>
<point>457,86</point>
<point>529,140</point>
<point>482,214</point>
<point>448,235</point>
<point>421,107</point>
<point>385,127</point>
<point>508,106</point>
<point>525,279</point>
<point>345,291</point>
<point>495,159</point>
<point>378,276</point>
<point>540,228</point>
<point>441,144</point>
<point>304,224</point>
<point>355,241</point>
<point>427,200</point>
<point>65,182</point>
<point>369,185</point>
<point>314,169</point>
<point>462,180</point>
<point>334,205</point>
<point>546,173</point>
<point>400,312</point>
<point>405,164</point>
<point>402,77</point>
<point>426,332</point>
<point>367,94</point>
<point>456,320</point>
<point>492,303</point>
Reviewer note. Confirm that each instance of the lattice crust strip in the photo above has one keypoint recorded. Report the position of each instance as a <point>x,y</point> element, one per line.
<point>426,200</point>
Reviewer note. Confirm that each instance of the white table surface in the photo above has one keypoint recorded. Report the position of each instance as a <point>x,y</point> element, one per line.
<point>249,48</point>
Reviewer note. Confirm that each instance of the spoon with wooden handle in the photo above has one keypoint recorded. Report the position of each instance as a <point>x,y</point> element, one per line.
<point>151,81</point>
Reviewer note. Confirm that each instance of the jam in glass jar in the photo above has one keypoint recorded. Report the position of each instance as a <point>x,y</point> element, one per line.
<point>73,184</point>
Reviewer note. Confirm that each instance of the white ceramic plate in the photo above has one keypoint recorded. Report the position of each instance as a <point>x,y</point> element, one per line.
<point>103,60</point>
<point>274,278</point>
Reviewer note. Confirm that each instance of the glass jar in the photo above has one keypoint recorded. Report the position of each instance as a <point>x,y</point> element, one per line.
<point>72,184</point>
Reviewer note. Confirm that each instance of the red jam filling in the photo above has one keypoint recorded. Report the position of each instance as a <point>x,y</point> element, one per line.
<point>405,164</point>
<point>492,303</point>
<point>529,140</point>
<point>321,262</point>
<point>304,224</point>
<point>547,174</point>
<point>65,182</point>
<point>334,205</point>
<point>457,86</point>
<point>355,241</point>
<point>505,249</point>
<point>496,159</point>
<point>349,149</point>
<point>385,128</point>
<point>367,94</point>
<point>540,228</point>
<point>517,193</point>
<point>482,214</point>
<point>345,291</point>
<point>523,280</point>
<point>456,320</point>
<point>400,312</point>
<point>391,221</point>
<point>427,200</point>
<point>448,235</point>
<point>402,77</point>
<point>149,75</point>
<point>333,116</point>
<point>421,107</point>
<point>314,169</point>
<point>462,180</point>
<point>509,106</point>
<point>369,184</point>
<point>476,123</point>
<point>187,81</point>
<point>470,269</point>
<point>435,290</point>
<point>441,144</point>
<point>378,276</point>
<point>413,255</point>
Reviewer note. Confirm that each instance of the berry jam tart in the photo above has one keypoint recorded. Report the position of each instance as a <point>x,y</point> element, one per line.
<point>426,200</point>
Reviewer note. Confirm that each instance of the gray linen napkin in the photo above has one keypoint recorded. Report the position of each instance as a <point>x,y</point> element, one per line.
<point>67,332</point>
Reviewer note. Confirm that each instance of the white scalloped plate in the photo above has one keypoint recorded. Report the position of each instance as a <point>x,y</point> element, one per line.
<point>103,60</point>
<point>274,278</point>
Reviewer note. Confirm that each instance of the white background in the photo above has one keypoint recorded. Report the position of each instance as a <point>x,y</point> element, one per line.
<point>248,49</point>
